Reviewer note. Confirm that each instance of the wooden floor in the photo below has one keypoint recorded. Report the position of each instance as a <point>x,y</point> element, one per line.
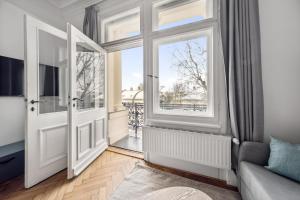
<point>98,181</point>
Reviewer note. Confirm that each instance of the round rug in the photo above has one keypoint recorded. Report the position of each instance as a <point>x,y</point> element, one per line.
<point>177,193</point>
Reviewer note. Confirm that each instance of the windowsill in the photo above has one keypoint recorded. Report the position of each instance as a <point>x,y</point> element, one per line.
<point>185,114</point>
<point>187,126</point>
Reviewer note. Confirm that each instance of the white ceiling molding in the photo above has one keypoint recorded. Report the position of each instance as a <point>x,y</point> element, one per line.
<point>75,7</point>
<point>62,3</point>
<point>78,6</point>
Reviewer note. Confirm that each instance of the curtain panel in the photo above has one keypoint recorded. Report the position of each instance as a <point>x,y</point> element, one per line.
<point>240,34</point>
<point>90,23</point>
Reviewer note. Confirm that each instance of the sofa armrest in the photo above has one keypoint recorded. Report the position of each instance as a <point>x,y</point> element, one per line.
<point>254,152</point>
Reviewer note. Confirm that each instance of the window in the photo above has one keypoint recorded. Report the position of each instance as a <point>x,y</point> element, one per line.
<point>184,80</point>
<point>183,83</point>
<point>120,26</point>
<point>183,68</point>
<point>90,78</point>
<point>168,14</point>
<point>53,82</point>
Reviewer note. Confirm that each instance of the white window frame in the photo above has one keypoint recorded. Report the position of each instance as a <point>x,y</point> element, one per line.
<point>216,120</point>
<point>113,9</point>
<point>175,38</point>
<point>114,17</point>
<point>213,121</point>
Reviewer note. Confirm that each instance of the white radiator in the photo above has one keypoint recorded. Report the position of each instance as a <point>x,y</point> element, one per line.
<point>205,149</point>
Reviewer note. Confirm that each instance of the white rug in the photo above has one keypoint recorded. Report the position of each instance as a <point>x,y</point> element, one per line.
<point>145,183</point>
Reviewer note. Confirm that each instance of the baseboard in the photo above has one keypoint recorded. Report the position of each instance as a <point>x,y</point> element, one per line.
<point>226,176</point>
<point>193,176</point>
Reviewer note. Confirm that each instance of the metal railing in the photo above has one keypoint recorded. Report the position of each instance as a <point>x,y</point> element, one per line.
<point>187,107</point>
<point>136,112</point>
<point>135,115</point>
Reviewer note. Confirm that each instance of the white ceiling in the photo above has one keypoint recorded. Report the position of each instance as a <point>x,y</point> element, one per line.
<point>62,3</point>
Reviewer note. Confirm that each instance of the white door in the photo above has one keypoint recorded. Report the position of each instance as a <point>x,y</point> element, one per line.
<point>87,110</point>
<point>46,92</point>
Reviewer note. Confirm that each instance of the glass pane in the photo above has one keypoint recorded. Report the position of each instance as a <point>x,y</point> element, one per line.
<point>90,78</point>
<point>183,73</point>
<point>168,14</point>
<point>53,74</point>
<point>121,26</point>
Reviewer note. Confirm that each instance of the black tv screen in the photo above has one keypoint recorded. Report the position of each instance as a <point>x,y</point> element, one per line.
<point>11,76</point>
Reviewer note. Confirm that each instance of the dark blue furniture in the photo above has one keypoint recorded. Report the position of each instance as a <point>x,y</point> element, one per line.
<point>11,161</point>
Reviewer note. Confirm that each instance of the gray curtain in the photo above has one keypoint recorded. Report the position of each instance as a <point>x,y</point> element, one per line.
<point>90,23</point>
<point>240,32</point>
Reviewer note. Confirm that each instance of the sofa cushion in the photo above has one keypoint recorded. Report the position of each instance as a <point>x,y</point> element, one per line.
<point>285,159</point>
<point>264,184</point>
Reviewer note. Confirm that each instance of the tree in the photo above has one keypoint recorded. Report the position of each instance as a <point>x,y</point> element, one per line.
<point>90,67</point>
<point>180,91</point>
<point>191,65</point>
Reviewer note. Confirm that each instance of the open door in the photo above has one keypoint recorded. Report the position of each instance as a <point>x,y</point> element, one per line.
<point>46,95</point>
<point>88,105</point>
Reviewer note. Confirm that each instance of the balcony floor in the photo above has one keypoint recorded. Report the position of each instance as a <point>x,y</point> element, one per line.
<point>131,142</point>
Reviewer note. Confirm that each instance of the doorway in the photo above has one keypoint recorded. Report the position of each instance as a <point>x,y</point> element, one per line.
<point>129,63</point>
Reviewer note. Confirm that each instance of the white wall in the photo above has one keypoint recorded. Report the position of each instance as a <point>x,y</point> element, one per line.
<point>12,118</point>
<point>42,10</point>
<point>12,109</point>
<point>280,40</point>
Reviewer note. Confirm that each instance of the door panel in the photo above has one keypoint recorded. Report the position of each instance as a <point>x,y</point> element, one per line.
<point>46,101</point>
<point>99,131</point>
<point>50,137</point>
<point>84,140</point>
<point>87,112</point>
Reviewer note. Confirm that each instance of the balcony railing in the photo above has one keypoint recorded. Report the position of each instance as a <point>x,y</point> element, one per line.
<point>136,112</point>
<point>135,115</point>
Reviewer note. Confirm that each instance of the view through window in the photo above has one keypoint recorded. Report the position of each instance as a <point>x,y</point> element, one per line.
<point>132,87</point>
<point>183,70</point>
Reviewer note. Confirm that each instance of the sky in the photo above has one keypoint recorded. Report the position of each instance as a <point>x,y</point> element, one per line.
<point>132,60</point>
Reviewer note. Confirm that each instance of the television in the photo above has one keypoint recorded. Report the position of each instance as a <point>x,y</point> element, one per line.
<point>11,76</point>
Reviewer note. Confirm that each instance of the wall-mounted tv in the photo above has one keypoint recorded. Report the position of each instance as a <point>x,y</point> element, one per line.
<point>11,76</point>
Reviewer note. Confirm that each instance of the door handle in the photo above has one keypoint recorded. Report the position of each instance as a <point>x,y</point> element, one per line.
<point>74,99</point>
<point>33,101</point>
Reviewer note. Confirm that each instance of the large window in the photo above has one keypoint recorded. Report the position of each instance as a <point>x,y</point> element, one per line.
<point>184,80</point>
<point>184,83</point>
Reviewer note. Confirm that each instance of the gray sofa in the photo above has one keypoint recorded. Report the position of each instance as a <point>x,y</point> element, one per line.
<point>256,182</point>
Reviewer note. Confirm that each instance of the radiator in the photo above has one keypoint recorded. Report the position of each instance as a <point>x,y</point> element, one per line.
<point>205,149</point>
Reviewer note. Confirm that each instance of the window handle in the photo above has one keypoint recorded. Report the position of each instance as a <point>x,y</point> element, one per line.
<point>152,76</point>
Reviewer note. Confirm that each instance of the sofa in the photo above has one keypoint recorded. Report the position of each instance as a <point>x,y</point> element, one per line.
<point>255,182</point>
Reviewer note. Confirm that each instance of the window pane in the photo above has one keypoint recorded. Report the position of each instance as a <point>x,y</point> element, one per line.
<point>183,73</point>
<point>168,14</point>
<point>53,76</point>
<point>90,78</point>
<point>121,26</point>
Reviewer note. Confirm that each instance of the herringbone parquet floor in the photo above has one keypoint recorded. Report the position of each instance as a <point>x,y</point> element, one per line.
<point>98,181</point>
